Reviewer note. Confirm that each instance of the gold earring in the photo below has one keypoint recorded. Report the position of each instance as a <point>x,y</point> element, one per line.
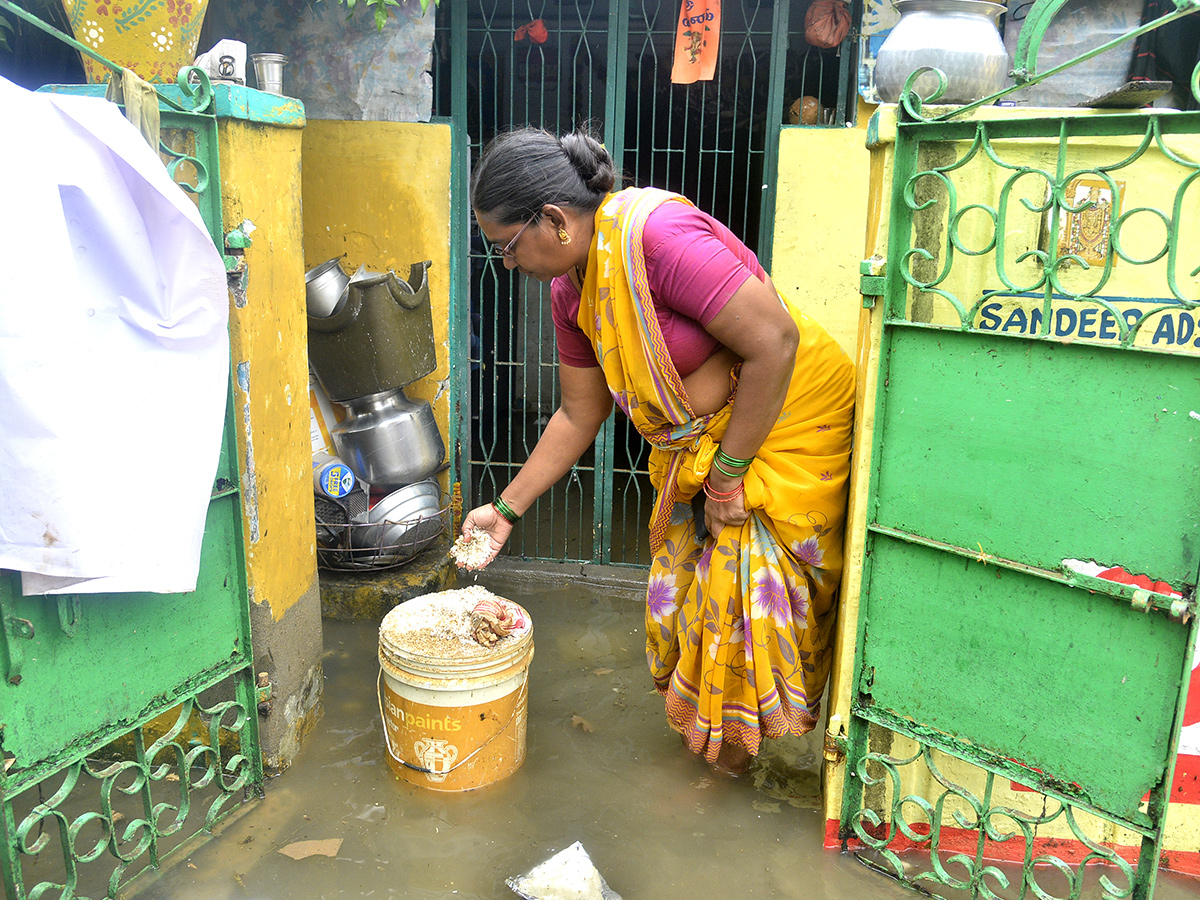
<point>563,237</point>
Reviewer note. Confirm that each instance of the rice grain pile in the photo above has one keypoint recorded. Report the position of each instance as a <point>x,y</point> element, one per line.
<point>444,625</point>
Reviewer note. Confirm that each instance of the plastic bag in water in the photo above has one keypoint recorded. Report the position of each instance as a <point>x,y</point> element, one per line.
<point>568,875</point>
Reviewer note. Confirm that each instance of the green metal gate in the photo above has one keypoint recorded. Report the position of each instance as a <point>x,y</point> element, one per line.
<point>1036,420</point>
<point>607,63</point>
<point>128,722</point>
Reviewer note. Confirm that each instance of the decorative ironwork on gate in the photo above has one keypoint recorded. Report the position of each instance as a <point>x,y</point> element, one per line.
<point>131,811</point>
<point>1084,224</point>
<point>956,864</point>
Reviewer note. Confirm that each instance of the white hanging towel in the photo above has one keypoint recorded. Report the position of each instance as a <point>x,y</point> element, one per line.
<point>114,355</point>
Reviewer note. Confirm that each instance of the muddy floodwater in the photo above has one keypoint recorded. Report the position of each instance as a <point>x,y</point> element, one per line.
<point>602,768</point>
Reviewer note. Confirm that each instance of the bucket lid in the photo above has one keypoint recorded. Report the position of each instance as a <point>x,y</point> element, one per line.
<point>438,629</point>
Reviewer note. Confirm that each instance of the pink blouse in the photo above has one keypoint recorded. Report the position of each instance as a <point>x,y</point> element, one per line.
<point>694,265</point>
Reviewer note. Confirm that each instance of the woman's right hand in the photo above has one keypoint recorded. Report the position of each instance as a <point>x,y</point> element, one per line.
<point>487,519</point>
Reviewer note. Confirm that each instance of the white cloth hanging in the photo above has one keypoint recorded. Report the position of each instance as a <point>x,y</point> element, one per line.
<point>114,354</point>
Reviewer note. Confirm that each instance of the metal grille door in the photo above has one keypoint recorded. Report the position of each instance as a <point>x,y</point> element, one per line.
<point>555,66</point>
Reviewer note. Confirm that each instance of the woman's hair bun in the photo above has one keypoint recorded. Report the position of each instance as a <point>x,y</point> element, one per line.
<point>520,171</point>
<point>591,160</point>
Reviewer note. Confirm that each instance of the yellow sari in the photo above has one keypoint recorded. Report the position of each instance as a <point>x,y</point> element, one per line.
<point>738,627</point>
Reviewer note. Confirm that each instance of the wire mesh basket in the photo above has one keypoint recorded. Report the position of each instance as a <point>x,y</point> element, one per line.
<point>349,541</point>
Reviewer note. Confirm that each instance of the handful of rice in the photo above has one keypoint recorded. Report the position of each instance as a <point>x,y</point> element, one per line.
<point>474,552</point>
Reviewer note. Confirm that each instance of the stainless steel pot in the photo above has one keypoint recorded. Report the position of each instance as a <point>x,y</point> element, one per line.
<point>325,288</point>
<point>380,339</point>
<point>960,37</point>
<point>388,440</point>
<point>399,526</point>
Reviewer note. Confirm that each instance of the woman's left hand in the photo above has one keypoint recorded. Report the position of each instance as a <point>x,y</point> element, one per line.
<point>718,514</point>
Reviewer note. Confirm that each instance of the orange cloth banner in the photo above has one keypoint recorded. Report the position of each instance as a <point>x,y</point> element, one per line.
<point>696,41</point>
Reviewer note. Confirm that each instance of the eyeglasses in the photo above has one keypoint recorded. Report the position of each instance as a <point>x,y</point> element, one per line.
<point>508,248</point>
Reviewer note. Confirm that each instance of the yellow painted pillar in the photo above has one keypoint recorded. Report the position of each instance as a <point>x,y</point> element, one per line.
<point>827,198</point>
<point>260,137</point>
<point>820,211</point>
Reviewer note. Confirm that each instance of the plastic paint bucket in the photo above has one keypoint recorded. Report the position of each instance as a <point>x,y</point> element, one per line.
<point>453,710</point>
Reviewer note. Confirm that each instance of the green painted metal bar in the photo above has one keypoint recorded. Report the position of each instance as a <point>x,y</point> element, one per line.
<point>1177,608</point>
<point>847,97</point>
<point>1085,124</point>
<point>617,80</point>
<point>1151,852</point>
<point>459,328</point>
<point>208,169</point>
<point>1039,19</point>
<point>616,86</point>
<point>905,167</point>
<point>773,126</point>
<point>460,284</point>
<point>10,863</point>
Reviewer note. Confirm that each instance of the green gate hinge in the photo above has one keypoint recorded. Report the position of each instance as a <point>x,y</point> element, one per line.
<point>872,274</point>
<point>13,630</point>
<point>1181,609</point>
<point>262,694</point>
<point>236,243</point>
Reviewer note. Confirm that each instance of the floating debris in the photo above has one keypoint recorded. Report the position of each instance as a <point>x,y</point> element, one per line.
<point>305,849</point>
<point>568,875</point>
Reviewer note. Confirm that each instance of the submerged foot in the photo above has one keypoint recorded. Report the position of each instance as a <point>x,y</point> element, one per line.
<point>732,761</point>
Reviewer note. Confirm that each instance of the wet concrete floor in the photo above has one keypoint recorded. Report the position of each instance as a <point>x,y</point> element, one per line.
<point>602,768</point>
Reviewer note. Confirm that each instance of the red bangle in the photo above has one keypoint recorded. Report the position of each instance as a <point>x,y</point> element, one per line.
<point>722,497</point>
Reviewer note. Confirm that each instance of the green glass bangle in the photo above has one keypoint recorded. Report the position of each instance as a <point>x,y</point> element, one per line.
<point>733,460</point>
<point>724,471</point>
<point>506,511</point>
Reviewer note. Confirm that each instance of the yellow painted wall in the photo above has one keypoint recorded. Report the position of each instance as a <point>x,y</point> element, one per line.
<point>819,220</point>
<point>866,359</point>
<point>378,194</point>
<point>260,184</point>
<point>823,209</point>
